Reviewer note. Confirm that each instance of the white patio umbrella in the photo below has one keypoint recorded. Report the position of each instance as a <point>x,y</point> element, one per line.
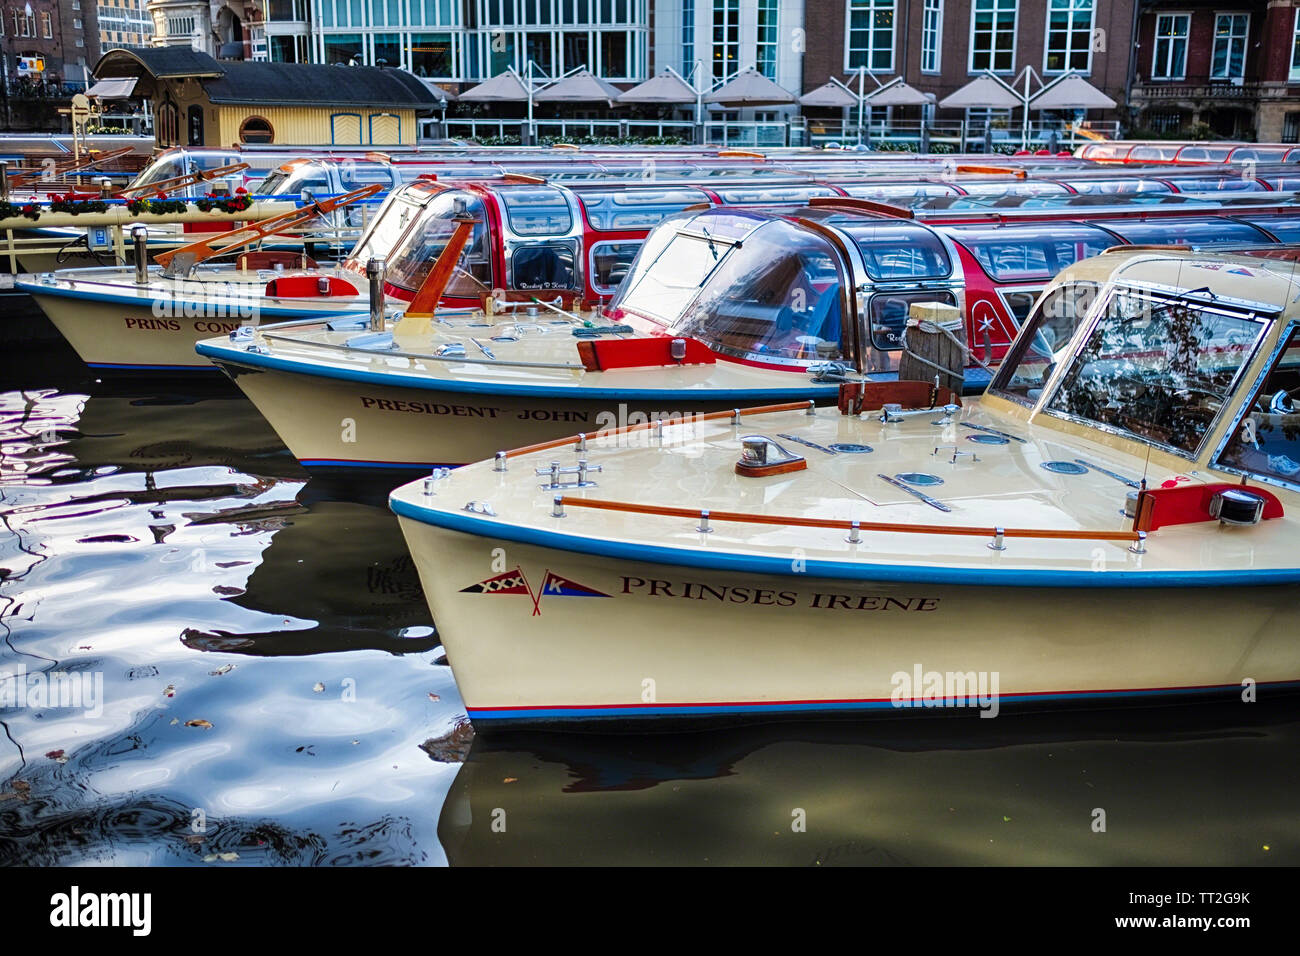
<point>831,94</point>
<point>898,93</point>
<point>1071,92</point>
<point>666,88</point>
<point>507,87</point>
<point>983,91</point>
<point>750,88</point>
<point>580,87</point>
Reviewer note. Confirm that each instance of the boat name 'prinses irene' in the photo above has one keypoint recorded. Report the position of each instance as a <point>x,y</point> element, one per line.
<point>764,597</point>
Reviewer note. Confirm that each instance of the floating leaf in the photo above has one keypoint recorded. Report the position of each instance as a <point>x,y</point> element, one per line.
<point>204,724</point>
<point>318,688</point>
<point>510,780</point>
<point>58,755</point>
<point>1006,819</point>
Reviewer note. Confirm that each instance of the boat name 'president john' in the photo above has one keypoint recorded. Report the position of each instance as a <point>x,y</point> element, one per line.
<point>766,597</point>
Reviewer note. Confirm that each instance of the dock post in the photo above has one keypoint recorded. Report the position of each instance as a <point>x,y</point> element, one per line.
<point>375,273</point>
<point>140,239</point>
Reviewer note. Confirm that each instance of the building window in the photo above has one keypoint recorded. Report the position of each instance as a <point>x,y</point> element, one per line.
<point>1291,128</point>
<point>993,36</point>
<point>47,26</point>
<point>255,129</point>
<point>1069,36</point>
<point>1165,121</point>
<point>613,55</point>
<point>726,38</point>
<point>1229,59</point>
<point>1169,61</point>
<point>1295,48</point>
<point>870,37</point>
<point>688,37</point>
<point>432,54</point>
<point>931,35</point>
<point>767,32</point>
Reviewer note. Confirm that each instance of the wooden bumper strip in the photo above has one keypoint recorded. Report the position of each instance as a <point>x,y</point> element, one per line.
<point>847,525</point>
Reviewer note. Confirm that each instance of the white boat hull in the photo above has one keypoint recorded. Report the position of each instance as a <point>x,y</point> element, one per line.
<point>672,643</point>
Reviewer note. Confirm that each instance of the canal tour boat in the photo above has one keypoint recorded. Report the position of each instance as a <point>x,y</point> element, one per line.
<point>763,304</point>
<point>1129,485</point>
<point>533,238</point>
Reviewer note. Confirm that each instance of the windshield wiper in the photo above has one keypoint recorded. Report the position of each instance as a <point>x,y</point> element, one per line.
<point>709,239</point>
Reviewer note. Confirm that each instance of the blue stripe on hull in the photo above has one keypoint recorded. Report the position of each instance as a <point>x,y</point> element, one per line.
<point>843,570</point>
<point>649,712</point>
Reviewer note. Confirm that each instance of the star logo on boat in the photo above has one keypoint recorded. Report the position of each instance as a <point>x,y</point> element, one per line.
<point>516,582</point>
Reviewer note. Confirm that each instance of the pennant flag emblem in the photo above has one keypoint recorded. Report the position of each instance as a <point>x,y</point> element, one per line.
<point>515,582</point>
<point>512,582</point>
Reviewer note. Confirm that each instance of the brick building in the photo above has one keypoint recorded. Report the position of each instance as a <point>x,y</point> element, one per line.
<point>62,34</point>
<point>1231,67</point>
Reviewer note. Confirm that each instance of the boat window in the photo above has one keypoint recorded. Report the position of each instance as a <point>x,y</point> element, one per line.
<point>414,255</point>
<point>773,194</point>
<point>1201,232</point>
<point>1019,302</point>
<point>1216,184</point>
<point>608,210</point>
<point>668,272</point>
<point>1042,341</point>
<point>1265,442</point>
<point>899,190</point>
<point>1283,184</point>
<point>893,251</point>
<point>1100,152</point>
<point>1286,228</point>
<point>888,312</point>
<point>1014,187</point>
<point>543,265</point>
<point>537,212</point>
<point>1119,187</point>
<point>610,264</point>
<point>776,298</point>
<point>1039,251</point>
<point>1204,154</point>
<point>353,175</point>
<point>1159,368</point>
<point>1148,152</point>
<point>272,184</point>
<point>1260,154</point>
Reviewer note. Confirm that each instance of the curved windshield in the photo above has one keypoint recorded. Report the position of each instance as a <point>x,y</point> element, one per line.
<point>669,271</point>
<point>176,162</point>
<point>1201,232</point>
<point>395,216</point>
<point>1216,184</point>
<point>1031,251</point>
<point>894,251</point>
<point>272,183</point>
<point>1159,368</point>
<point>1014,187</point>
<point>418,250</point>
<point>778,296</point>
<point>1043,341</point>
<point>1204,154</point>
<point>773,194</point>
<point>899,190</point>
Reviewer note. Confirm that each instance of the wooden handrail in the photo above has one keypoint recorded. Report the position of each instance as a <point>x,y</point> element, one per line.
<point>255,231</point>
<point>641,426</point>
<point>198,176</point>
<point>844,524</point>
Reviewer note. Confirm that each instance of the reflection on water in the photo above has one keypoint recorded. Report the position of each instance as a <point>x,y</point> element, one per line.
<point>267,663</point>
<point>1202,786</point>
<point>271,691</point>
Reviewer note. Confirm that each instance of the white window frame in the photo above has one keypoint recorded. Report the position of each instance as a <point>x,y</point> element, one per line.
<point>773,44</point>
<point>1015,36</point>
<point>731,10</point>
<point>1186,38</point>
<point>872,7</point>
<point>1245,44</point>
<point>1070,6</point>
<point>935,53</point>
<point>1294,76</point>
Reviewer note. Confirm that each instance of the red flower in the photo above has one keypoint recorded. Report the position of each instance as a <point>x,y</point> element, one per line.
<point>241,190</point>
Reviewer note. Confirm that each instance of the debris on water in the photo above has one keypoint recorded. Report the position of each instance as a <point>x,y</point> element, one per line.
<point>1006,819</point>
<point>57,755</point>
<point>318,688</point>
<point>223,669</point>
<point>175,721</point>
<point>435,698</point>
<point>169,690</point>
<point>226,590</point>
<point>217,641</point>
<point>453,746</point>
<point>204,724</point>
<point>510,780</point>
<point>22,790</point>
<point>223,857</point>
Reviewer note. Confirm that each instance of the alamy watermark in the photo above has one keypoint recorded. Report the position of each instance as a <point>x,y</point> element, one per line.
<point>922,688</point>
<point>82,690</point>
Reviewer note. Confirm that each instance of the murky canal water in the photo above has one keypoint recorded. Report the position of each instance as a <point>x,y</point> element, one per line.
<point>261,684</point>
